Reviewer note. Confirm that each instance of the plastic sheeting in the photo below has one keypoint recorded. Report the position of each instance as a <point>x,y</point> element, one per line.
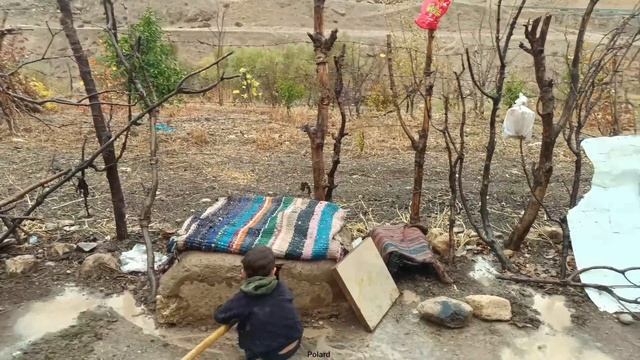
<point>605,226</point>
<point>135,260</point>
<point>431,13</point>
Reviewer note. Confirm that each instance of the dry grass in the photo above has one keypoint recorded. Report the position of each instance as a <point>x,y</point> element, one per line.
<point>199,136</point>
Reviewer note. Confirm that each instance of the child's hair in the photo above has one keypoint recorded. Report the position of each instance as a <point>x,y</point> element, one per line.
<point>258,261</point>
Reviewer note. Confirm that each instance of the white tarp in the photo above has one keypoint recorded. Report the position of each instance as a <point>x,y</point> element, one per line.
<point>605,226</point>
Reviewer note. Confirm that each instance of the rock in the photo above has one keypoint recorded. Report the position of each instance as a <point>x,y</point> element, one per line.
<point>205,200</point>
<point>488,307</point>
<point>553,233</point>
<point>434,233</point>
<point>239,24</point>
<point>458,229</point>
<point>471,234</point>
<point>441,244</point>
<point>445,311</point>
<point>87,246</point>
<point>439,241</point>
<point>202,281</point>
<point>625,318</point>
<point>21,264</point>
<point>65,223</point>
<point>508,253</point>
<point>59,249</point>
<point>96,263</point>
<point>339,11</point>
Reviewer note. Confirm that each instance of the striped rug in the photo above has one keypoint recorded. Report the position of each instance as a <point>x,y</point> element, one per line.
<point>296,229</point>
<point>406,245</point>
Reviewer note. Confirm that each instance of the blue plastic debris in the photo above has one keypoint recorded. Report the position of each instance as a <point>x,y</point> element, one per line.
<point>164,128</point>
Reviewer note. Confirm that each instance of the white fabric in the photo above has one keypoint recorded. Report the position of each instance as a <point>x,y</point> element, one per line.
<point>605,226</point>
<point>518,122</point>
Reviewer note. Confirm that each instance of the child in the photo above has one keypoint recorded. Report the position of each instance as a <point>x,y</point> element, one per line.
<point>269,327</point>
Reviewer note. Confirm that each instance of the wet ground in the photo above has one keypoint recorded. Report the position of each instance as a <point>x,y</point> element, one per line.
<point>79,324</point>
<point>53,314</point>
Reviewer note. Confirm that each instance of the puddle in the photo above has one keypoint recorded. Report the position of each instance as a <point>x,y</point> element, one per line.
<point>552,341</point>
<point>553,312</point>
<point>36,319</point>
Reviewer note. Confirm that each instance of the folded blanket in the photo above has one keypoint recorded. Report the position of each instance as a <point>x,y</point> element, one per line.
<point>406,245</point>
<point>297,229</point>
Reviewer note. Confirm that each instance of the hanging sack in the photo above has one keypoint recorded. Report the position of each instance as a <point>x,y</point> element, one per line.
<point>431,13</point>
<point>519,121</point>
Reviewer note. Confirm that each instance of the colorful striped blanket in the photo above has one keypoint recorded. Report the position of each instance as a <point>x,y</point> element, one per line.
<point>297,229</point>
<point>406,245</point>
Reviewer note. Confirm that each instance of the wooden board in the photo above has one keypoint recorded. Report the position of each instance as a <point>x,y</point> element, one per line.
<point>367,284</point>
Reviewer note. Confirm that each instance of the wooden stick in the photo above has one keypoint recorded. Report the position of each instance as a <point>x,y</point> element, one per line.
<point>206,343</point>
<point>29,189</point>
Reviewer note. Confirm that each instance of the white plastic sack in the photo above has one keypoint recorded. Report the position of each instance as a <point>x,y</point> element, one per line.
<point>519,120</point>
<point>135,260</point>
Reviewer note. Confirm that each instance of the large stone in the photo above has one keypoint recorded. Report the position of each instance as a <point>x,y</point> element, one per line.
<point>445,311</point>
<point>97,263</point>
<point>625,318</point>
<point>20,264</point>
<point>196,285</point>
<point>488,307</point>
<point>553,233</point>
<point>59,249</point>
<point>439,241</point>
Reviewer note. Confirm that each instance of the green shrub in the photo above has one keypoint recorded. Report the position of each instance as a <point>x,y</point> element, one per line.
<point>277,67</point>
<point>155,65</point>
<point>249,89</point>
<point>290,92</point>
<point>513,87</point>
<point>379,98</point>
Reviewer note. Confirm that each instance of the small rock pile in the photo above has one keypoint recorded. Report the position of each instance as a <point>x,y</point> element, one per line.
<point>452,313</point>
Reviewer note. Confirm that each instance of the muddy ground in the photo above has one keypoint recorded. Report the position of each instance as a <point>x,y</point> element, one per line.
<point>216,152</point>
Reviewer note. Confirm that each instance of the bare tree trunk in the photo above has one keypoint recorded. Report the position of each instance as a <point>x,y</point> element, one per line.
<point>423,134</point>
<point>102,133</point>
<point>453,174</point>
<point>322,46</point>
<point>221,35</point>
<point>550,130</point>
<point>577,167</point>
<point>617,128</point>
<point>337,145</point>
<point>419,144</point>
<point>145,214</point>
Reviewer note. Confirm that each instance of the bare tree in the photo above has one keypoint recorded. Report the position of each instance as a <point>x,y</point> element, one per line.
<point>65,176</point>
<point>219,44</point>
<point>322,47</point>
<point>102,132</point>
<point>536,34</point>
<point>485,229</point>
<point>419,143</point>
<point>362,68</point>
<point>342,130</point>
<point>616,44</point>
<point>454,156</point>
